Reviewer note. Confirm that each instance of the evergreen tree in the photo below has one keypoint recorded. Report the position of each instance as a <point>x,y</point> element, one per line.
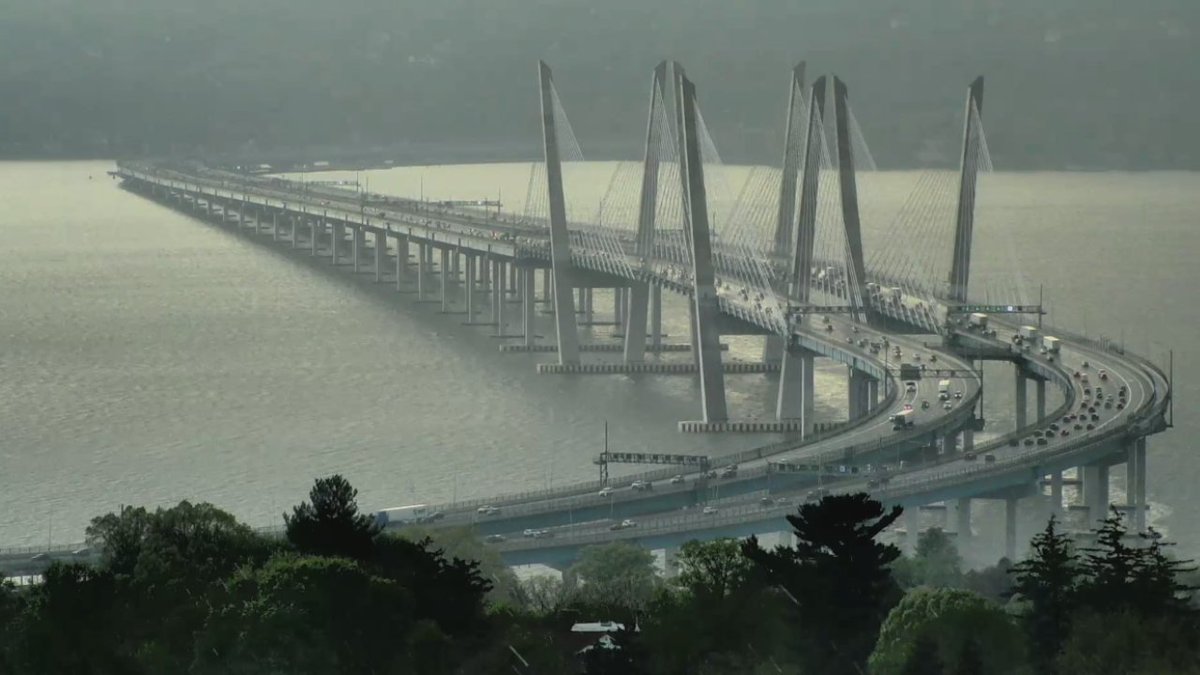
<point>838,577</point>
<point>924,659</point>
<point>329,523</point>
<point>1049,581</point>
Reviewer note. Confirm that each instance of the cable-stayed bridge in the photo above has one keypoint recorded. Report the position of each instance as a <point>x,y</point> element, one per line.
<point>776,253</point>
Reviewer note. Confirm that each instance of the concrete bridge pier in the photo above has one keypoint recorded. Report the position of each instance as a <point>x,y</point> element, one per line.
<point>912,529</point>
<point>380,254</point>
<point>422,262</point>
<point>529,305</point>
<point>498,295</point>
<point>339,235</point>
<point>356,245</point>
<point>962,521</point>
<point>445,266</point>
<point>618,308</point>
<point>1040,398</point>
<point>796,388</point>
<point>1020,404</point>
<point>872,393</point>
<point>292,228</point>
<point>1135,482</point>
<point>1095,492</point>
<point>635,323</point>
<point>456,265</point>
<point>1056,494</point>
<point>469,288</point>
<point>773,348</point>
<point>656,317</point>
<point>1010,528</point>
<point>968,440</point>
<point>312,235</point>
<point>858,393</point>
<point>274,226</point>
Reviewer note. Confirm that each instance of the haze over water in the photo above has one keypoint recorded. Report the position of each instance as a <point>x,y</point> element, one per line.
<point>147,357</point>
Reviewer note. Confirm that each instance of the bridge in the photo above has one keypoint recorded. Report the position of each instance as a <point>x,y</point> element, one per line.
<point>785,262</point>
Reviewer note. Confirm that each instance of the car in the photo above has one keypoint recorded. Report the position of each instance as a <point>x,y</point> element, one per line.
<point>676,479</point>
<point>947,405</point>
<point>1029,441</point>
<point>1053,426</point>
<point>39,556</point>
<point>483,510</point>
<point>924,405</point>
<point>491,511</point>
<point>989,458</point>
<point>1096,417</point>
<point>640,485</point>
<point>493,539</point>
<point>1108,404</point>
<point>910,386</point>
<point>529,533</point>
<point>1076,375</point>
<point>1042,441</point>
<point>943,396</point>
<point>729,471</point>
<point>1078,426</point>
<point>828,328</point>
<point>710,510</point>
<point>958,394</point>
<point>605,491</point>
<point>1065,432</point>
<point>1121,405</point>
<point>1090,426</point>
<point>1103,374</point>
<point>969,456</point>
<point>543,534</point>
<point>767,501</point>
<point>628,522</point>
<point>1086,365</point>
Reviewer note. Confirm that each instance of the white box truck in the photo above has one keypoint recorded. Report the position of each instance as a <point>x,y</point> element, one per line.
<point>1050,344</point>
<point>1029,334</point>
<point>978,320</point>
<point>402,515</point>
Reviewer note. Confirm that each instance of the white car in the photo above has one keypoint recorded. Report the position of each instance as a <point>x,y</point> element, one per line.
<point>605,491</point>
<point>676,479</point>
<point>710,510</point>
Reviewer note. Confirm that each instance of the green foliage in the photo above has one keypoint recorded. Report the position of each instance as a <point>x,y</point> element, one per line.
<point>464,543</point>
<point>838,576</point>
<point>923,659</point>
<point>1130,643</point>
<point>936,562</point>
<point>620,574</point>
<point>448,591</point>
<point>961,625</point>
<point>1139,578</point>
<point>311,615</point>
<point>712,570</point>
<point>329,522</point>
<point>993,583</point>
<point>1048,581</point>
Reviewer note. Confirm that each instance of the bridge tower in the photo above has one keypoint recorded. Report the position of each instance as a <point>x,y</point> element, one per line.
<point>639,291</point>
<point>705,301</point>
<point>960,267</point>
<point>560,253</point>
<point>855,266</point>
<point>786,213</point>
<point>796,386</point>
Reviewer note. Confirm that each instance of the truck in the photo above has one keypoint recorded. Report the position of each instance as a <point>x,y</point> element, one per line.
<point>978,320</point>
<point>402,515</point>
<point>943,386</point>
<point>902,420</point>
<point>1029,334</point>
<point>1050,343</point>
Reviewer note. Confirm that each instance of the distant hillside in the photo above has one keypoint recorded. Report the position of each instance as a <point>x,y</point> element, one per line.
<point>1071,83</point>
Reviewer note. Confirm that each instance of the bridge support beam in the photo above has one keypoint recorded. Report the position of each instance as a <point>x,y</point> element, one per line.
<point>469,289</point>
<point>1020,404</point>
<point>445,274</point>
<point>656,333</point>
<point>796,389</point>
<point>380,254</point>
<point>499,296</point>
<point>1135,482</point>
<point>1056,494</point>
<point>1010,528</point>
<point>635,322</point>
<point>968,440</point>
<point>912,529</point>
<point>705,301</point>
<point>858,392</point>
<point>529,304</point>
<point>356,246</point>
<point>274,226</point>
<point>312,235</point>
<point>855,264</point>
<point>292,238</point>
<point>565,326</point>
<point>962,516</point>
<point>1039,389</point>
<point>1095,492</point>
<point>422,270</point>
<point>960,267</point>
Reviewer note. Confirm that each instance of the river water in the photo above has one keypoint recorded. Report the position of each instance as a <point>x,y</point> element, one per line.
<point>147,357</point>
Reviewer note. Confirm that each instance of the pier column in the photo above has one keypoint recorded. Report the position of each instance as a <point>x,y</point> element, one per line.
<point>656,318</point>
<point>500,295</point>
<point>962,517</point>
<point>1019,400</point>
<point>1095,492</point>
<point>292,224</point>
<point>618,308</point>
<point>773,347</point>
<point>872,393</point>
<point>635,323</point>
<point>1056,494</point>
<point>274,225</point>
<point>1135,482</point>
<point>858,393</point>
<point>968,440</point>
<point>912,529</point>
<point>380,254</point>
<point>337,234</point>
<point>1010,528</point>
<point>445,269</point>
<point>422,257</point>
<point>469,289</point>
<point>356,242</point>
<point>312,235</point>
<point>796,391</point>
<point>455,263</point>
<point>1040,398</point>
<point>529,296</point>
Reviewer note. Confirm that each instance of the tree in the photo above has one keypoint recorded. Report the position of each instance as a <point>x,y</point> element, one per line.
<point>329,522</point>
<point>1048,581</point>
<point>838,576</point>
<point>1129,643</point>
<point>448,591</point>
<point>618,574</point>
<point>936,562</point>
<point>464,543</point>
<point>712,569</point>
<point>307,614</point>
<point>993,583</point>
<point>956,622</point>
<point>1140,578</point>
<point>924,659</point>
